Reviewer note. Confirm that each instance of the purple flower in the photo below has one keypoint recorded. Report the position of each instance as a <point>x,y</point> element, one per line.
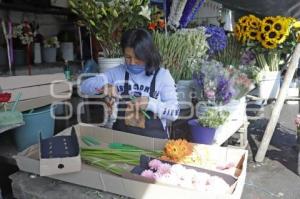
<point>248,58</point>
<point>217,40</point>
<point>192,14</point>
<point>199,79</point>
<point>186,12</point>
<point>224,90</point>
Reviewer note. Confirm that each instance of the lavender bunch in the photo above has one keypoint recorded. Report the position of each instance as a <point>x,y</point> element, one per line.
<point>224,91</point>
<point>217,40</point>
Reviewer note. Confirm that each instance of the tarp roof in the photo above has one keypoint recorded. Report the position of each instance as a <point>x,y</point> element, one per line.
<point>265,7</point>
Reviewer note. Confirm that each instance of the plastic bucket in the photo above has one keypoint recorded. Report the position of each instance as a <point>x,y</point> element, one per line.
<point>108,63</point>
<point>36,122</point>
<point>200,134</point>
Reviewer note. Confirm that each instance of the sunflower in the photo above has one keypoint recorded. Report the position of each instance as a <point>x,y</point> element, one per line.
<point>268,20</point>
<point>282,26</point>
<point>252,34</point>
<point>269,44</point>
<point>176,150</point>
<point>244,20</point>
<point>272,36</point>
<point>265,27</point>
<point>261,37</point>
<point>237,31</point>
<point>254,22</point>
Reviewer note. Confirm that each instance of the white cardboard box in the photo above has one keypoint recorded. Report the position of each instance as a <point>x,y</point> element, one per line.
<point>100,179</point>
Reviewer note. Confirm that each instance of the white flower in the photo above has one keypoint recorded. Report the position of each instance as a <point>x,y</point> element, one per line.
<point>145,12</point>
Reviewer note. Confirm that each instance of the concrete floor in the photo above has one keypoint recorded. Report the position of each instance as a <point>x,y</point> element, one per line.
<point>277,176</point>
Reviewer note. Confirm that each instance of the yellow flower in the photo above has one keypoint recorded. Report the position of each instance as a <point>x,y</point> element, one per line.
<point>296,24</point>
<point>266,27</point>
<point>281,38</point>
<point>237,31</point>
<point>269,44</point>
<point>254,22</point>
<point>261,37</point>
<point>268,20</point>
<point>243,20</point>
<point>252,34</point>
<point>272,36</point>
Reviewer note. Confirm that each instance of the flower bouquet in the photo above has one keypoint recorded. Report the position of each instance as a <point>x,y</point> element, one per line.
<point>241,83</point>
<point>213,84</point>
<point>270,38</point>
<point>108,19</point>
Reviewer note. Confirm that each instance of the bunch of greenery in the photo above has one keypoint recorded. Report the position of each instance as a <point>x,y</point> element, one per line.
<point>231,55</point>
<point>181,50</point>
<point>107,19</point>
<point>213,118</point>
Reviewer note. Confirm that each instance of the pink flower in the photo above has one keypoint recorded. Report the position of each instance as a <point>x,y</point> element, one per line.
<point>155,164</point>
<point>148,174</point>
<point>164,168</point>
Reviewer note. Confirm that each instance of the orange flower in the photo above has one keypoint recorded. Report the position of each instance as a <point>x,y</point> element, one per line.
<point>151,26</point>
<point>161,23</point>
<point>176,150</point>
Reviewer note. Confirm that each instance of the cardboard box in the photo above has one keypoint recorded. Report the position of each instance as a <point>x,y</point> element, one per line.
<point>100,179</point>
<point>60,154</point>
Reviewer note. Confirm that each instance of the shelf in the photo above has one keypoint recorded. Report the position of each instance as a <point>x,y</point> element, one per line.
<point>35,9</point>
<point>43,68</point>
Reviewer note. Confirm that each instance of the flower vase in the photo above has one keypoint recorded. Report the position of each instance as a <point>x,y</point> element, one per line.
<point>49,55</point>
<point>184,93</point>
<point>200,134</point>
<point>67,51</point>
<point>107,63</point>
<point>269,84</point>
<point>37,53</point>
<point>19,57</point>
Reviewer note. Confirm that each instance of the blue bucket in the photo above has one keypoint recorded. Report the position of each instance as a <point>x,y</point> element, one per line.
<point>200,134</point>
<point>36,122</point>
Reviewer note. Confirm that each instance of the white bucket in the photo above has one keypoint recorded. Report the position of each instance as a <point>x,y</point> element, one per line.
<point>184,93</point>
<point>269,84</point>
<point>107,63</point>
<point>67,50</point>
<point>37,53</point>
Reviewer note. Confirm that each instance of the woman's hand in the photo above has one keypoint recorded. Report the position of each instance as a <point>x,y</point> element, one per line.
<point>139,103</point>
<point>110,94</point>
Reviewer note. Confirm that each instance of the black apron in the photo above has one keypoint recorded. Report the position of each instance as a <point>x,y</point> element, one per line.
<point>153,126</point>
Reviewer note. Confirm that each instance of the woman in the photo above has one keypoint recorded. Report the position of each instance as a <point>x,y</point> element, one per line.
<point>145,92</point>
